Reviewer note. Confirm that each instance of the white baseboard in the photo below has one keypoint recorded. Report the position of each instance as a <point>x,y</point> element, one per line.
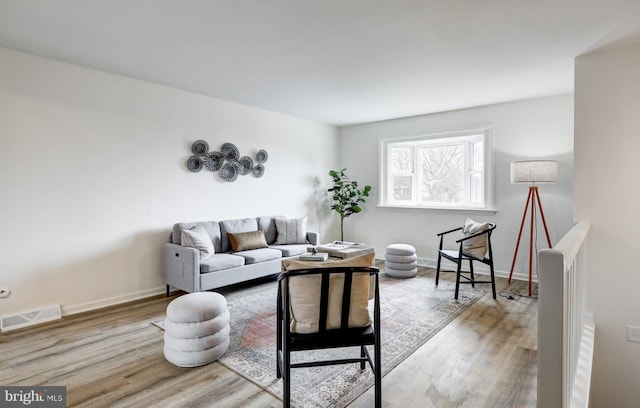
<point>432,263</point>
<point>112,301</point>
<point>115,300</point>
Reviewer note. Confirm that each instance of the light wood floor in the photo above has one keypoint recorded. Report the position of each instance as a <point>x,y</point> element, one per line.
<point>113,358</point>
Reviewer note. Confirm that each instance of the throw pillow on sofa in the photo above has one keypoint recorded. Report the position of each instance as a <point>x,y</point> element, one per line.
<point>243,241</point>
<point>291,230</point>
<point>197,237</point>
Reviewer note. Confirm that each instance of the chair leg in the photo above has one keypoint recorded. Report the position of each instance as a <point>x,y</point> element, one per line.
<point>278,364</point>
<point>438,269</point>
<point>362,355</point>
<point>493,280</point>
<point>378,374</point>
<point>473,277</point>
<point>458,271</point>
<point>286,379</point>
<point>168,291</point>
<point>279,357</point>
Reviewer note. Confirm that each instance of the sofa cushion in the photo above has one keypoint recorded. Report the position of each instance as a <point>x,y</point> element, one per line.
<point>242,241</point>
<point>476,246</point>
<point>235,226</point>
<point>197,237</point>
<point>291,250</point>
<point>291,231</point>
<point>268,225</point>
<point>212,228</point>
<point>221,261</point>
<point>254,256</point>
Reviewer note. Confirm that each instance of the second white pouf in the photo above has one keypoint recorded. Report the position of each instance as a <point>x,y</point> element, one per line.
<point>401,261</point>
<point>196,329</point>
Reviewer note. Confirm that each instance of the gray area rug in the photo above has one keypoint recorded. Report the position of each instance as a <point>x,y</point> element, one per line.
<point>413,310</point>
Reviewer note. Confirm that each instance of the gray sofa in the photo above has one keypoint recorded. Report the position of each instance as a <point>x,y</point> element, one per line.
<point>184,269</point>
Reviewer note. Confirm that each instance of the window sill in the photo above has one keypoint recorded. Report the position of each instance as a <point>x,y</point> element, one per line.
<point>438,209</point>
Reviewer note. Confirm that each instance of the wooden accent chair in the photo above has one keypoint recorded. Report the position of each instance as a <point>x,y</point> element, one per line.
<point>324,308</point>
<point>474,245</point>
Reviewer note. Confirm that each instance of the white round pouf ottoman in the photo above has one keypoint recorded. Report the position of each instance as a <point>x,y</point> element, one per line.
<point>196,329</point>
<point>401,261</point>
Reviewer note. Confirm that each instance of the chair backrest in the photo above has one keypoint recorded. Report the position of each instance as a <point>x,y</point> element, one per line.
<point>322,299</point>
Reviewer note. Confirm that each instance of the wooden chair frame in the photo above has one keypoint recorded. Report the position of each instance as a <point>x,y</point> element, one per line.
<point>288,342</point>
<point>460,257</point>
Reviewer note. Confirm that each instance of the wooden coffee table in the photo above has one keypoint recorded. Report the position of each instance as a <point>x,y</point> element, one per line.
<point>342,252</point>
<point>358,260</point>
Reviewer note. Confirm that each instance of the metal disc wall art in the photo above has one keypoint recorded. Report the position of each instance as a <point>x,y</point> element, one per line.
<point>226,161</point>
<point>194,164</point>
<point>200,147</point>
<point>258,171</point>
<point>246,164</point>
<point>230,151</point>
<point>261,156</point>
<point>213,161</point>
<point>229,171</point>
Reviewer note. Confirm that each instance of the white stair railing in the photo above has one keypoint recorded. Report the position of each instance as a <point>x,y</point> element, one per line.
<point>565,329</point>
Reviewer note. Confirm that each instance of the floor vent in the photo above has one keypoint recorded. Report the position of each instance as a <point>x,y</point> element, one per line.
<point>427,262</point>
<point>30,318</point>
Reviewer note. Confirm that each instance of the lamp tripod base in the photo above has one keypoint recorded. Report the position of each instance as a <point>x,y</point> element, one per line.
<point>532,199</point>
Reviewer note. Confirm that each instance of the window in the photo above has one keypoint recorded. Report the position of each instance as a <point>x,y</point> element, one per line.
<point>444,170</point>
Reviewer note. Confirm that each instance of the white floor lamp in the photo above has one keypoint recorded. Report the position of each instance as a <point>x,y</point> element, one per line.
<point>532,171</point>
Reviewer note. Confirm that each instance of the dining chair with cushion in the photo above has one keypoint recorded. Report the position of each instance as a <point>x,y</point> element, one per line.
<point>326,308</point>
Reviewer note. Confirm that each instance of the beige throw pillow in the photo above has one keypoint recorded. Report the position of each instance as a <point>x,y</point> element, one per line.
<point>305,295</point>
<point>477,246</point>
<point>305,302</point>
<point>197,237</point>
<point>291,231</point>
<point>243,241</point>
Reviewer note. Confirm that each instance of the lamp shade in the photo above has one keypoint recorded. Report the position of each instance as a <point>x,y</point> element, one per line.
<point>534,171</point>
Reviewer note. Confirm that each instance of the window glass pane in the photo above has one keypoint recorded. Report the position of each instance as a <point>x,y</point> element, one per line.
<point>478,156</point>
<point>401,160</point>
<point>442,171</point>
<point>402,188</point>
<point>476,189</point>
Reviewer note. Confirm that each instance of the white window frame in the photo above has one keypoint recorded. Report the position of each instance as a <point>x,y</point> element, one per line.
<point>467,135</point>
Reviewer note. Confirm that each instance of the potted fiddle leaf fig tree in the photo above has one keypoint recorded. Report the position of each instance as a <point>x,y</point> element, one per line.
<point>346,196</point>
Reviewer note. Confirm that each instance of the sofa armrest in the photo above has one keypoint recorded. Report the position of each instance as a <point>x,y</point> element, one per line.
<point>313,237</point>
<point>181,267</point>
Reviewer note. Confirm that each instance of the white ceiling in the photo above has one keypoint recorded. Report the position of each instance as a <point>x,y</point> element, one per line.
<point>334,61</point>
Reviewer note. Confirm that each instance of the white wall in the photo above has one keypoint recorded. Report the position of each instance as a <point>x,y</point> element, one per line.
<point>538,128</point>
<point>607,142</point>
<point>92,174</point>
